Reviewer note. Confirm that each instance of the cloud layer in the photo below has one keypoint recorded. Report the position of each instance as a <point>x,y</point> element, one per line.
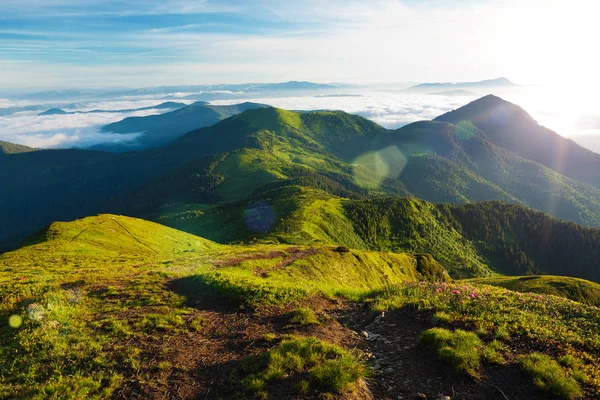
<point>570,116</point>
<point>70,130</point>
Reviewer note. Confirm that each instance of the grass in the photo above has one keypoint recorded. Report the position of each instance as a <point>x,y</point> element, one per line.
<point>548,376</point>
<point>461,349</point>
<point>320,366</point>
<point>575,289</point>
<point>83,297</point>
<point>572,329</point>
<point>303,316</point>
<point>77,315</point>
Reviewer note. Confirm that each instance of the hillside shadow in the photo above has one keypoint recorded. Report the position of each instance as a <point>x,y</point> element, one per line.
<point>200,294</point>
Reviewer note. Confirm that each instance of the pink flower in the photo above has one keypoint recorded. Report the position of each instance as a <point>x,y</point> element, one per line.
<point>456,291</point>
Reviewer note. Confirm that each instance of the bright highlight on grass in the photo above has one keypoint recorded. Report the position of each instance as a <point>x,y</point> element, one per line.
<point>15,321</point>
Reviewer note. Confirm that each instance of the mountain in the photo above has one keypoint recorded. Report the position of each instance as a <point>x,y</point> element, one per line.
<point>168,105</point>
<point>298,264</point>
<point>232,88</point>
<point>54,111</point>
<point>10,148</point>
<point>445,86</point>
<point>457,92</point>
<point>471,240</point>
<point>262,148</point>
<point>509,126</point>
<point>164,128</point>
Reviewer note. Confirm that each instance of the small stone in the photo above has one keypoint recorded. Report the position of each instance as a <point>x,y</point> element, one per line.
<point>421,396</point>
<point>365,334</point>
<point>389,370</point>
<point>378,319</point>
<point>444,398</point>
<point>390,388</point>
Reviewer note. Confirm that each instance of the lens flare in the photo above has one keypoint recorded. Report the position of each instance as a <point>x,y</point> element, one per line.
<point>260,217</point>
<point>371,168</point>
<point>15,321</point>
<point>464,130</point>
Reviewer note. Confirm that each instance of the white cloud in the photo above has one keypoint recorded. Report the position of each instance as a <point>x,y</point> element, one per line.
<point>70,130</point>
<point>390,110</point>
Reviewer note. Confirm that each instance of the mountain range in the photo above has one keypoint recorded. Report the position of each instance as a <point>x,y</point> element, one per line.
<point>488,84</point>
<point>279,87</point>
<point>168,105</point>
<point>293,255</point>
<point>240,160</point>
<point>161,129</point>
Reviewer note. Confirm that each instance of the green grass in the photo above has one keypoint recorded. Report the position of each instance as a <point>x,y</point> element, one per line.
<point>571,288</point>
<point>462,350</point>
<point>89,294</point>
<point>548,376</point>
<point>303,316</point>
<point>568,327</point>
<point>85,291</point>
<point>322,366</point>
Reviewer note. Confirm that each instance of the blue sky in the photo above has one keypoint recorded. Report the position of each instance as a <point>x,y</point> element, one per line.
<point>67,43</point>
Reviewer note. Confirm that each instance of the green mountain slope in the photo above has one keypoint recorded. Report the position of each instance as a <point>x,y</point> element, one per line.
<point>116,235</point>
<point>510,127</point>
<point>93,312</point>
<point>261,149</point>
<point>10,148</point>
<point>161,129</point>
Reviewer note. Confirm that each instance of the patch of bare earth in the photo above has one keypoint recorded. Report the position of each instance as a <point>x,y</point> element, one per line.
<point>206,364</point>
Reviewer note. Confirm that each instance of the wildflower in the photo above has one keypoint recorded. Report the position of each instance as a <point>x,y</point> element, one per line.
<point>454,291</point>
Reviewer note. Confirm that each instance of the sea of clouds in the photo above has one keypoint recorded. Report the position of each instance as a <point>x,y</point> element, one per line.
<point>391,109</point>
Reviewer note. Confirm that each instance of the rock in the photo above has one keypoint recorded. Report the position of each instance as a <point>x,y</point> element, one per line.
<point>389,370</point>
<point>365,334</point>
<point>379,319</point>
<point>444,398</point>
<point>421,396</point>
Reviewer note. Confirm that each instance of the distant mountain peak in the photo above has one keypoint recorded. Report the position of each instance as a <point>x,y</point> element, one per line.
<point>489,106</point>
<point>53,111</point>
<point>500,82</point>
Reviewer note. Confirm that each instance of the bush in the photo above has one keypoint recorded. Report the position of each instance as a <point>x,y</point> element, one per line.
<point>548,376</point>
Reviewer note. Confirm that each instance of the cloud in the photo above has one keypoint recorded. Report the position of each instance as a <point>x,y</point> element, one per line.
<point>71,130</point>
<point>391,110</point>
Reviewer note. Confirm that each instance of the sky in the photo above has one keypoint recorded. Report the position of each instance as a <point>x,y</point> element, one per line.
<point>136,43</point>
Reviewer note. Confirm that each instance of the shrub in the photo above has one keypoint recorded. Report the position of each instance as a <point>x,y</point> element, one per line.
<point>548,376</point>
